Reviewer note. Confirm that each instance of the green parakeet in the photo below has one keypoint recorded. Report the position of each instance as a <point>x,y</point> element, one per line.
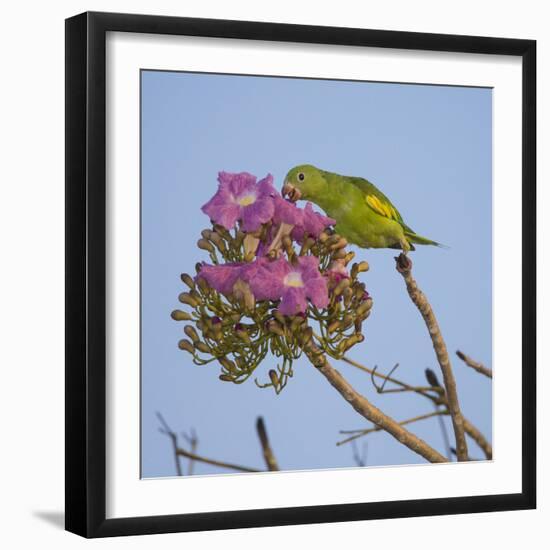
<point>363,214</point>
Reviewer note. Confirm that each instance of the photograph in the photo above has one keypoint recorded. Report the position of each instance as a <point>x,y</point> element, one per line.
<point>316,285</point>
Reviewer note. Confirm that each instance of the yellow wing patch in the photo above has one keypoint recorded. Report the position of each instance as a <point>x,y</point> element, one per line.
<point>382,207</point>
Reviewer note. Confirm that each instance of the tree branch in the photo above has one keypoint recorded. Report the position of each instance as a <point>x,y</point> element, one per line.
<point>475,365</point>
<point>404,266</point>
<point>479,438</point>
<point>269,457</point>
<point>366,409</point>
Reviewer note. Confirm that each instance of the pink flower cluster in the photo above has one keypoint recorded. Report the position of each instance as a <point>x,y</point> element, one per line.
<point>241,199</point>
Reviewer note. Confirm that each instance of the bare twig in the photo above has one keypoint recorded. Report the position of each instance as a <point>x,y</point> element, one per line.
<point>166,430</point>
<point>212,462</point>
<point>269,457</point>
<point>404,266</point>
<point>366,409</point>
<point>193,442</point>
<point>192,456</point>
<point>406,387</point>
<point>475,365</point>
<point>361,433</point>
<point>360,459</point>
<point>469,428</point>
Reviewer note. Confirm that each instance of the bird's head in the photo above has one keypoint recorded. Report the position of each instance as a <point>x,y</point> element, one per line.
<point>304,182</point>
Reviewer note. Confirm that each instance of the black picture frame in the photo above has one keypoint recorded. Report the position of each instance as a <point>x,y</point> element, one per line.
<point>86,273</point>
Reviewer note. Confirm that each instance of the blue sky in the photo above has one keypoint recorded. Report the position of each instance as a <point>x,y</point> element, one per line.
<point>427,147</point>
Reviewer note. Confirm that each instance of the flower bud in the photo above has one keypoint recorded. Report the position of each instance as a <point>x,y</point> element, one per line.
<point>205,245</point>
<point>188,280</point>
<point>186,298</point>
<point>364,307</point>
<point>186,345</point>
<point>279,316</point>
<point>201,346</point>
<point>359,268</point>
<point>218,241</point>
<point>242,334</point>
<point>228,364</point>
<point>307,334</point>
<point>296,323</point>
<point>323,237</point>
<point>340,254</point>
<point>203,285</point>
<point>275,328</point>
<point>306,246</point>
<point>340,243</point>
<point>273,377</point>
<point>179,315</point>
<point>347,321</point>
<point>333,327</point>
<point>349,256</point>
<point>226,378</point>
<point>348,294</point>
<point>341,286</point>
<point>191,332</point>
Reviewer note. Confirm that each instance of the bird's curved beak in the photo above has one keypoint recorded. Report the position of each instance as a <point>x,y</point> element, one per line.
<point>291,192</point>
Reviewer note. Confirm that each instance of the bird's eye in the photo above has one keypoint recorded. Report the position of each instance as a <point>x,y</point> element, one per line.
<point>301,176</point>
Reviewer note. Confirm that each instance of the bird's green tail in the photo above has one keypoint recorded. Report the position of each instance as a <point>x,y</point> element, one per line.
<point>418,239</point>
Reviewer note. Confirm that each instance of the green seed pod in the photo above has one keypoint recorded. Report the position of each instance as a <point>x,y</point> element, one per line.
<point>186,298</point>
<point>201,346</point>
<point>191,332</point>
<point>179,315</point>
<point>186,345</point>
<point>205,245</point>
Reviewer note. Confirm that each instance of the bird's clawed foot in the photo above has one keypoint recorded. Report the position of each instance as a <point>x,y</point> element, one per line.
<point>403,263</point>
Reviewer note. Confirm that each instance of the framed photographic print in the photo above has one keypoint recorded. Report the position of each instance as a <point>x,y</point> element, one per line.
<point>300,274</point>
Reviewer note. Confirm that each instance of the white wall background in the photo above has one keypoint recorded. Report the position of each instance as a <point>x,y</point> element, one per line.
<point>32,270</point>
